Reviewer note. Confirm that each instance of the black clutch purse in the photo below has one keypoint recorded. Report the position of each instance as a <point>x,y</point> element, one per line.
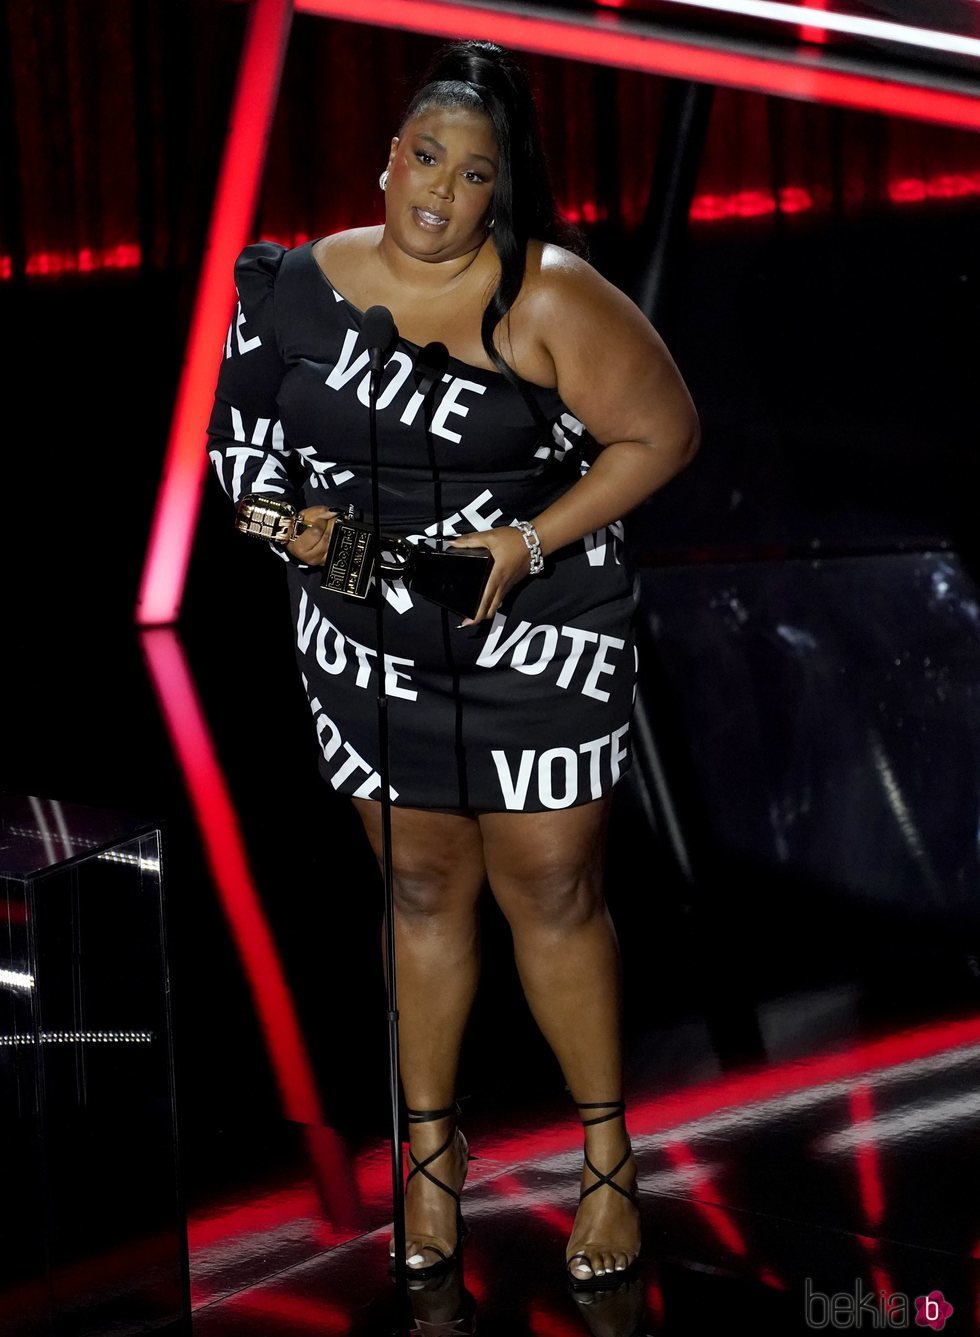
<point>453,578</point>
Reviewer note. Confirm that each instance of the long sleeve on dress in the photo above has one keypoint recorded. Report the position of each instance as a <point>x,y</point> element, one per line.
<point>245,437</point>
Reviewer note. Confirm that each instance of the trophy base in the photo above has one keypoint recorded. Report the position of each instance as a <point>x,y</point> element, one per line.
<point>453,578</point>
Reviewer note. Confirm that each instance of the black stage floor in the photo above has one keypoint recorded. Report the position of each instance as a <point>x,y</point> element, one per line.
<point>802,1044</point>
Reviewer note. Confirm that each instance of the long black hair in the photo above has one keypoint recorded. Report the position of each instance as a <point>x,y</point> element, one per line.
<point>484,77</point>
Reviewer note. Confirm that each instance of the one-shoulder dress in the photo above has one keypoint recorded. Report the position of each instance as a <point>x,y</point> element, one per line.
<point>527,711</point>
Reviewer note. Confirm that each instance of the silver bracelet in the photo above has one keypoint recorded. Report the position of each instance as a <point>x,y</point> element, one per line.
<point>530,537</point>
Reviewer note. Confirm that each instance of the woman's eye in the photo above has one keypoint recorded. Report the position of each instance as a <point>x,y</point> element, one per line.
<point>422,155</point>
<point>475,177</point>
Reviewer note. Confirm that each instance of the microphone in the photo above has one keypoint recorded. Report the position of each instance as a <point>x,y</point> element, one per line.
<point>380,333</point>
<point>430,367</point>
<point>455,578</point>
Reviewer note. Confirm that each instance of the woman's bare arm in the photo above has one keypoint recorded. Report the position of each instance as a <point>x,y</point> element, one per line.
<point>615,374</point>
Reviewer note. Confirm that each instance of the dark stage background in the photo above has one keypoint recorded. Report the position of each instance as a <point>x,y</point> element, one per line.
<point>824,313</point>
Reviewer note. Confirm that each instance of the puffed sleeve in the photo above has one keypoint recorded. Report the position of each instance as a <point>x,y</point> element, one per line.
<point>245,438</point>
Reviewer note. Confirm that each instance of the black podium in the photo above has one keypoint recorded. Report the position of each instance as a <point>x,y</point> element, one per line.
<point>92,1232</point>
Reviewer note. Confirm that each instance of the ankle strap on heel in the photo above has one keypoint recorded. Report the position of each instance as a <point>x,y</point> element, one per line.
<point>617,1110</point>
<point>425,1116</point>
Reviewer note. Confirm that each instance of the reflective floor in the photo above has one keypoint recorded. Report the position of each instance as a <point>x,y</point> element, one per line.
<point>802,1038</point>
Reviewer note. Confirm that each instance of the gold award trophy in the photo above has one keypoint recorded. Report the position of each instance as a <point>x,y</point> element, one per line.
<point>454,578</point>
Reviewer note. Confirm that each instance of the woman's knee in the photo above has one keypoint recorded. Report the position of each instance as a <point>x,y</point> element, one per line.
<point>560,897</point>
<point>437,865</point>
<point>426,889</point>
<point>547,868</point>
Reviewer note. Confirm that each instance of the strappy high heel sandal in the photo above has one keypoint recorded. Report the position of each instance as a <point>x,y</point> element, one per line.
<point>606,1280</point>
<point>445,1261</point>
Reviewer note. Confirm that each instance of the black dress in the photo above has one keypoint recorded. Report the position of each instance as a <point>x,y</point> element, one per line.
<point>527,712</point>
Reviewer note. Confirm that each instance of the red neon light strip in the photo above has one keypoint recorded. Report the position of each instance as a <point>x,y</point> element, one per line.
<point>604,39</point>
<point>811,34</point>
<point>866,1157</point>
<point>52,264</point>
<point>225,853</point>
<point>705,208</point>
<point>236,197</point>
<point>305,1312</point>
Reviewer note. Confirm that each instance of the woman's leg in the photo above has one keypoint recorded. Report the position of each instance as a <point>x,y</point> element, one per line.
<point>545,870</point>
<point>437,876</point>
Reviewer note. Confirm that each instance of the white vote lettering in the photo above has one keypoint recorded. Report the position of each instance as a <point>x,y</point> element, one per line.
<point>338,661</point>
<point>578,637</point>
<point>514,792</point>
<point>449,404</point>
<point>549,636</point>
<point>599,665</point>
<point>546,779</point>
<point>403,365</point>
<point>331,743</point>
<point>593,748</point>
<point>492,652</point>
<point>560,772</point>
<point>346,370</point>
<point>410,412</point>
<point>332,646</point>
<point>245,345</point>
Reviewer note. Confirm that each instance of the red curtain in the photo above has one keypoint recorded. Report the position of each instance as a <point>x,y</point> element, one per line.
<point>114,111</point>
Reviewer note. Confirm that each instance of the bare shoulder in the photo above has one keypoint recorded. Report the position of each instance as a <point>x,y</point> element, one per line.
<point>612,369</point>
<point>562,287</point>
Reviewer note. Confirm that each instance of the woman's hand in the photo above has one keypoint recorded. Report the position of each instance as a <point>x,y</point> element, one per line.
<point>511,563</point>
<point>311,546</point>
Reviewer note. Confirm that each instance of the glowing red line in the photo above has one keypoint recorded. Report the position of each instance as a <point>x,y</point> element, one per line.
<point>224,851</point>
<point>674,1108</point>
<point>861,1103</point>
<point>811,34</point>
<point>604,39</point>
<point>656,1303</point>
<point>546,1322</point>
<point>718,1217</point>
<point>869,1172</point>
<point>303,1311</point>
<point>236,196</point>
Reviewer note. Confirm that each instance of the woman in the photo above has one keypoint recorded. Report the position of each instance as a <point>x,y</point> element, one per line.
<point>560,412</point>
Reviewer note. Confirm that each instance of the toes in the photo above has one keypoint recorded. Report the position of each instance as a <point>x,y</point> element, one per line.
<point>581,1268</point>
<point>622,1262</point>
<point>414,1256</point>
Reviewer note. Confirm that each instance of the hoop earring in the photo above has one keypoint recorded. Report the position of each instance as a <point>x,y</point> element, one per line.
<point>383,179</point>
<point>491,223</point>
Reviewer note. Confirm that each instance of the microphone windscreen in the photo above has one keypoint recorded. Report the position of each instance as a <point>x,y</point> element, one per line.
<point>430,366</point>
<point>379,333</point>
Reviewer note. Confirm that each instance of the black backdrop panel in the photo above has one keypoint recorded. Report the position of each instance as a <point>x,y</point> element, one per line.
<point>829,723</point>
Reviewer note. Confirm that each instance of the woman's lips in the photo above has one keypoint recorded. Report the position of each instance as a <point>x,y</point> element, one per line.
<point>432,222</point>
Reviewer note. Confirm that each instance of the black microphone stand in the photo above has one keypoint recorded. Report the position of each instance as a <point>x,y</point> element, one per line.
<point>380,335</point>
<point>380,320</point>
